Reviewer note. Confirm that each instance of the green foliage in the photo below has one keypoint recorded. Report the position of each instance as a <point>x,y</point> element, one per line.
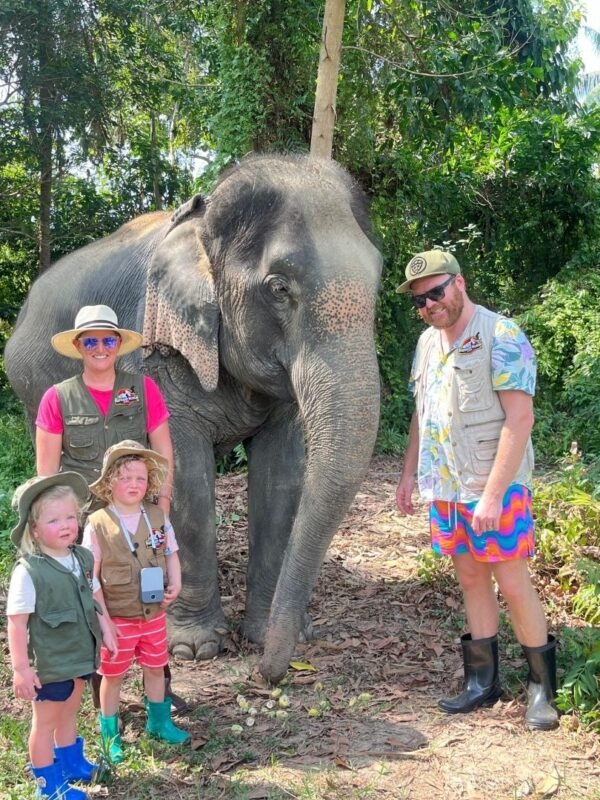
<point>565,331</point>
<point>567,512</point>
<point>580,690</point>
<point>434,569</point>
<point>234,461</point>
<point>16,466</point>
<point>264,63</point>
<point>586,603</point>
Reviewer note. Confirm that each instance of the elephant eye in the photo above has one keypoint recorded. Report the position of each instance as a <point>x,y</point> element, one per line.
<point>278,287</point>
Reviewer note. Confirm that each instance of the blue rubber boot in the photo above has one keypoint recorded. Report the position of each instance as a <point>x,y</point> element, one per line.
<point>51,784</point>
<point>74,764</point>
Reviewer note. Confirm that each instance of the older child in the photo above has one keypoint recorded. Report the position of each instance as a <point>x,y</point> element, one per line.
<point>127,537</point>
<point>54,629</point>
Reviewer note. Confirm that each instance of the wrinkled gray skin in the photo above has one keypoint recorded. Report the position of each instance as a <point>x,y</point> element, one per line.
<point>257,307</point>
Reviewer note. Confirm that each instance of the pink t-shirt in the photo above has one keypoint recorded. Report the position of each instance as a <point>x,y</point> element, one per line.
<point>49,416</point>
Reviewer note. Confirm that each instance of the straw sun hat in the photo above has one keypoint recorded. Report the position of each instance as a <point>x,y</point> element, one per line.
<point>95,318</point>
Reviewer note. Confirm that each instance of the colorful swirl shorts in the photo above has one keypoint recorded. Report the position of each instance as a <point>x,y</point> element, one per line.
<point>452,534</point>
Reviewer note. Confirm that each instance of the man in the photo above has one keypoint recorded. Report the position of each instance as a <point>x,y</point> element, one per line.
<point>469,447</point>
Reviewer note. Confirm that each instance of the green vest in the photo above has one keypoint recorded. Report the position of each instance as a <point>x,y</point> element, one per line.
<point>87,434</point>
<point>120,569</point>
<point>64,632</point>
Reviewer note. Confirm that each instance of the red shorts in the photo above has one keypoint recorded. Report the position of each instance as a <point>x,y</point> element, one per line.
<point>146,640</point>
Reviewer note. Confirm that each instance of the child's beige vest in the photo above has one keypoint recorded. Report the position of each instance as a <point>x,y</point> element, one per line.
<point>120,569</point>
<point>475,415</point>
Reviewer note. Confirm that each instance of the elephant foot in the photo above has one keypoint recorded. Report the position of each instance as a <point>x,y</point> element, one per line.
<point>191,641</point>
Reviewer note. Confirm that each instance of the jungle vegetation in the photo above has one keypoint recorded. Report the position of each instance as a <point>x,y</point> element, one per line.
<point>462,122</point>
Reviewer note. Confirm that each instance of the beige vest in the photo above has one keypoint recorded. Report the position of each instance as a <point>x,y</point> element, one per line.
<point>475,414</point>
<point>120,568</point>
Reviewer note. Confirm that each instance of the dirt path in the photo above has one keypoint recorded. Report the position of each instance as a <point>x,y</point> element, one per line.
<point>365,724</point>
<point>358,719</point>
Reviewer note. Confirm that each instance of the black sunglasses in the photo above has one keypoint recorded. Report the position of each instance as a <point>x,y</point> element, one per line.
<point>435,294</point>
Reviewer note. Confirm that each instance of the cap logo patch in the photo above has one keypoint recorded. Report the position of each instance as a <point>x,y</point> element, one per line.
<point>416,266</point>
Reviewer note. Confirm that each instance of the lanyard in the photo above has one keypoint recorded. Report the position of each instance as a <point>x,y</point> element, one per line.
<point>126,534</point>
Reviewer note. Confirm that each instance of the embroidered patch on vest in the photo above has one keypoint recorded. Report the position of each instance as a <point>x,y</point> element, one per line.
<point>125,397</point>
<point>156,538</point>
<point>470,344</point>
<point>81,420</point>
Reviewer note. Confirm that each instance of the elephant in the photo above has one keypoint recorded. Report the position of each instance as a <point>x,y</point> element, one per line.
<point>257,307</point>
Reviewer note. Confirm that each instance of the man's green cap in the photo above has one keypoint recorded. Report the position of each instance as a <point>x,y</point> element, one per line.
<point>431,262</point>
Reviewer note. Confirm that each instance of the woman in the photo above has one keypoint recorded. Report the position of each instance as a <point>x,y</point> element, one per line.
<point>81,417</point>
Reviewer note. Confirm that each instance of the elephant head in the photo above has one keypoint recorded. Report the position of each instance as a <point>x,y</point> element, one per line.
<point>273,280</point>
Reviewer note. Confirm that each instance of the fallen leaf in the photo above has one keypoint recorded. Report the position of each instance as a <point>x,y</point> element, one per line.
<point>547,786</point>
<point>199,742</point>
<point>302,666</point>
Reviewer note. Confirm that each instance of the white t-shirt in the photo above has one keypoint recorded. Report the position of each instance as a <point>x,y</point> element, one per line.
<point>21,591</point>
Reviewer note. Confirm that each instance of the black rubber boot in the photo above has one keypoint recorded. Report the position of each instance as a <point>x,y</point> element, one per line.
<point>482,685</point>
<point>541,713</point>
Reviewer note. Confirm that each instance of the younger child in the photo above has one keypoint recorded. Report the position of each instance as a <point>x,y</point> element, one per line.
<point>126,537</point>
<point>54,628</point>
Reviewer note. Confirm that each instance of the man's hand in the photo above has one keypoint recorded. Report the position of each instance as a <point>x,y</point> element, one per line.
<point>404,492</point>
<point>486,516</point>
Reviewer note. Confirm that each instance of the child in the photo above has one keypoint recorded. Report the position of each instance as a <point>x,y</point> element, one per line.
<point>54,628</point>
<point>126,537</point>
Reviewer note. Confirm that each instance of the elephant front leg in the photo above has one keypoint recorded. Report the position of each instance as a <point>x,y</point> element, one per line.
<point>196,623</point>
<point>275,473</point>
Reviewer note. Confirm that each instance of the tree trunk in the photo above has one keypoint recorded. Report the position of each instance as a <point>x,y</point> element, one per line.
<point>45,162</point>
<point>154,161</point>
<point>44,136</point>
<point>321,140</point>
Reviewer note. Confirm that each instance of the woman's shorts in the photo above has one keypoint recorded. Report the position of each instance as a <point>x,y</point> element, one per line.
<point>144,640</point>
<point>453,535</point>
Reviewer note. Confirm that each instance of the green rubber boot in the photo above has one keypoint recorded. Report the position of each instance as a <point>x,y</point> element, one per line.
<point>111,738</point>
<point>159,723</point>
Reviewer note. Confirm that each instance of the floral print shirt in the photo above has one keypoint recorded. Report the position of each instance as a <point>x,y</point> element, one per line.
<point>513,367</point>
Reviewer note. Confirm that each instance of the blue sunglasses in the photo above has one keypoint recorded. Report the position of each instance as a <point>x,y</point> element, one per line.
<point>92,342</point>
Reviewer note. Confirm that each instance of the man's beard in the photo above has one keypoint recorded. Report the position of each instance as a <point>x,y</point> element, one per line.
<point>453,308</point>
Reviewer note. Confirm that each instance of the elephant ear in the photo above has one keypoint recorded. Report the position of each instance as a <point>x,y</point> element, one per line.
<point>181,310</point>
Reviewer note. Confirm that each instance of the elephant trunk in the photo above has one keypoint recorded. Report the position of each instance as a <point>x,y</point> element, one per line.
<point>340,417</point>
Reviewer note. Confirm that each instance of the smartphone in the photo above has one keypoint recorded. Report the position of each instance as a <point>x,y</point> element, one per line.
<point>152,585</point>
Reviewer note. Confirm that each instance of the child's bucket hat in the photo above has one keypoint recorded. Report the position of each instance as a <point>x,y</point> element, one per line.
<point>27,492</point>
<point>154,460</point>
